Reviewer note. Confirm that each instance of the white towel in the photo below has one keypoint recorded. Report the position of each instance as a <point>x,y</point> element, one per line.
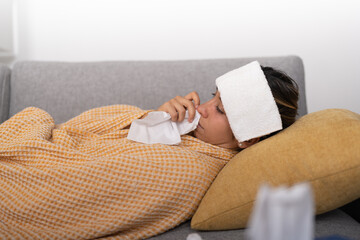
<point>157,127</point>
<point>248,102</point>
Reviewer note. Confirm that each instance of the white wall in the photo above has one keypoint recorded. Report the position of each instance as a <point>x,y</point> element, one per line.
<point>6,29</point>
<point>325,33</point>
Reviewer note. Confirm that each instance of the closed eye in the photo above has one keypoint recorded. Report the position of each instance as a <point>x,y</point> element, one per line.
<point>219,110</point>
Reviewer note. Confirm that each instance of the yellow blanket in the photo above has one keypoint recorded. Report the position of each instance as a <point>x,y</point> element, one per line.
<point>83,179</point>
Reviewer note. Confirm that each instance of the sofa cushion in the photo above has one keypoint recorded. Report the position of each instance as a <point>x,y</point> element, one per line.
<point>321,148</point>
<point>4,92</point>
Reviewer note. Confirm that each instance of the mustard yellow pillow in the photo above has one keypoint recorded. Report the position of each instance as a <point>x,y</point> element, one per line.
<point>322,148</point>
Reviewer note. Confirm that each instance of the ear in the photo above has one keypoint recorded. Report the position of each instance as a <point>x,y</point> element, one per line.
<point>248,143</point>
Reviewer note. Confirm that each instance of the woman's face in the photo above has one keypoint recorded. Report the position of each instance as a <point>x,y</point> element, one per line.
<point>214,127</point>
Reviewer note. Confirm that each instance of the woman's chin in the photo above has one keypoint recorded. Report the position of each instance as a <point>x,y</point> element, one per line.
<point>198,135</point>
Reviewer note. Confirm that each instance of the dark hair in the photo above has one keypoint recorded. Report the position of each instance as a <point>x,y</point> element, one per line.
<point>286,94</point>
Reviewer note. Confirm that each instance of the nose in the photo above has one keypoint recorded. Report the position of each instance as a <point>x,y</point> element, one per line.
<point>203,109</point>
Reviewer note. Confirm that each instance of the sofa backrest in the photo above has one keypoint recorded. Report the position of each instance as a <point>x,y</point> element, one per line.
<point>5,74</point>
<point>65,89</point>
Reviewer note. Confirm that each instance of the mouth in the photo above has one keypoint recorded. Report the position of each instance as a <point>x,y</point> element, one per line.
<point>199,125</point>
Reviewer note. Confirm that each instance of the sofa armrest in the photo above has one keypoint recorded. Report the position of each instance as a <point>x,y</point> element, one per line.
<point>5,73</point>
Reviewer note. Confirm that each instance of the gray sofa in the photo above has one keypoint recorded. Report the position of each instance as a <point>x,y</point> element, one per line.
<point>66,89</point>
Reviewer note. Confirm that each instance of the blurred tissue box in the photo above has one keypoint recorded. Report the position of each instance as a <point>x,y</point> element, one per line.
<point>282,214</point>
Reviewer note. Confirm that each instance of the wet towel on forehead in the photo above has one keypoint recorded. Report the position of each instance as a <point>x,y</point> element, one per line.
<point>83,179</point>
<point>248,102</point>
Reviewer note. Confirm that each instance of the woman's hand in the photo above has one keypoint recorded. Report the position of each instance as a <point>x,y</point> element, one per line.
<point>177,107</point>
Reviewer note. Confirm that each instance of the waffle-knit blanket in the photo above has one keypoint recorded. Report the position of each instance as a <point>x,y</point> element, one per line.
<point>83,179</point>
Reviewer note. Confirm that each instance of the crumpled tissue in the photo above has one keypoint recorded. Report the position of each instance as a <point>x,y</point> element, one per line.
<point>157,127</point>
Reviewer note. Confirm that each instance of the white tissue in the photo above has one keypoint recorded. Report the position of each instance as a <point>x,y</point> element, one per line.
<point>282,214</point>
<point>157,127</point>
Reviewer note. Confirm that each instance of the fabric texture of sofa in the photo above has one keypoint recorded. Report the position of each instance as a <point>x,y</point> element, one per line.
<point>66,89</point>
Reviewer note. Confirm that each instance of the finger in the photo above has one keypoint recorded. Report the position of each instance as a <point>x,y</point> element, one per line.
<point>173,113</point>
<point>193,96</point>
<point>191,111</point>
<point>170,109</point>
<point>187,105</point>
<point>180,109</point>
<point>190,108</point>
